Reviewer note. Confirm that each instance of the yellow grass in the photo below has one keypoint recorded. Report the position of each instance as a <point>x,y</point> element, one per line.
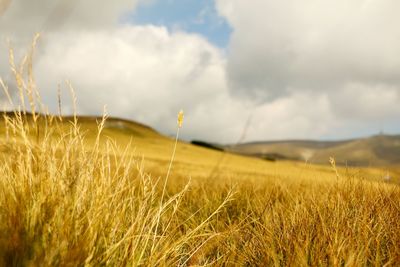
<point>74,192</point>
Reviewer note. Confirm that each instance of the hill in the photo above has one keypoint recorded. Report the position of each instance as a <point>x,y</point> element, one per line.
<point>203,162</point>
<point>379,150</point>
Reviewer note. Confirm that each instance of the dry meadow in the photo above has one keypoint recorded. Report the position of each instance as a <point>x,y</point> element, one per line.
<point>81,191</point>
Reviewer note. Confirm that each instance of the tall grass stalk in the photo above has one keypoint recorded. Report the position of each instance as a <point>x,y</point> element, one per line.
<point>64,202</point>
<point>179,124</point>
<point>74,197</point>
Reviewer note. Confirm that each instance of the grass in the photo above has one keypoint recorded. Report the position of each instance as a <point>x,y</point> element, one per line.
<point>77,192</point>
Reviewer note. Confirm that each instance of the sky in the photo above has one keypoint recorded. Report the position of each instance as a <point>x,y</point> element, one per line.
<point>264,69</point>
<point>193,16</point>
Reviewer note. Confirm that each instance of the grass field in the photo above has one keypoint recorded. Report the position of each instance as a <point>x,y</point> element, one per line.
<point>85,192</point>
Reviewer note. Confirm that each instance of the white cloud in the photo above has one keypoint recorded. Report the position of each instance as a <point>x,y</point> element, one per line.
<point>299,69</point>
<point>346,51</point>
<point>20,20</point>
<point>359,101</point>
<point>147,74</point>
<point>311,44</point>
<point>299,115</point>
<point>140,72</point>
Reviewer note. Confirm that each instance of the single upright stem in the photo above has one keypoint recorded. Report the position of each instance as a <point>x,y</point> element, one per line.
<point>164,189</point>
<point>170,166</point>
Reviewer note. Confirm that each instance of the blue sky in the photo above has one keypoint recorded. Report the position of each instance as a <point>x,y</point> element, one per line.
<point>193,16</point>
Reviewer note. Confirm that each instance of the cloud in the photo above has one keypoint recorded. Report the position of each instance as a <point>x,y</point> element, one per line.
<point>298,69</point>
<point>300,115</point>
<point>141,72</point>
<point>344,51</point>
<point>280,47</point>
<point>147,73</point>
<point>28,17</point>
<point>21,20</point>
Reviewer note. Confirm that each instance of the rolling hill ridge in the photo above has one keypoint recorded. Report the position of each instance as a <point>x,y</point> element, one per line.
<point>378,150</point>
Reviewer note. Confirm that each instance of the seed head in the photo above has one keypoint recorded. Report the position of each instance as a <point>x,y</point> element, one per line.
<point>180,118</point>
<point>332,161</point>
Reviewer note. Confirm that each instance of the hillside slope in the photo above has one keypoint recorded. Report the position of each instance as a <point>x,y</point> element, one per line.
<point>154,151</point>
<point>379,150</point>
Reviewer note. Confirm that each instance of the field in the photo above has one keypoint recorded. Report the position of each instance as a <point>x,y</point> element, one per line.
<point>83,191</point>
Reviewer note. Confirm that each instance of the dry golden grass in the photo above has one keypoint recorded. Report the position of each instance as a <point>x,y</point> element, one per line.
<point>72,196</point>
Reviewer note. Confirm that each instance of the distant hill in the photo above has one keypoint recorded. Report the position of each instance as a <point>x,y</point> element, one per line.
<point>379,150</point>
<point>152,151</point>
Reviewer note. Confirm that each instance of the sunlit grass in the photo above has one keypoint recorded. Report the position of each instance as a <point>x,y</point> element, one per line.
<point>77,192</point>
